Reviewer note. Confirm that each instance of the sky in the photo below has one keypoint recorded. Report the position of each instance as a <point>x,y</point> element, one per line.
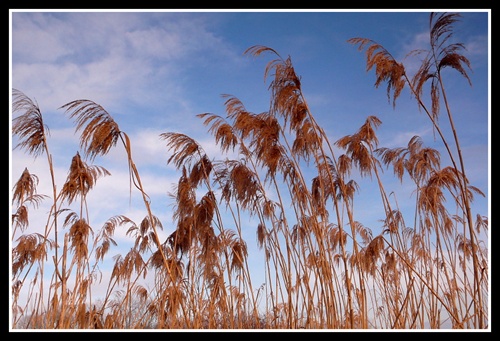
<point>153,71</point>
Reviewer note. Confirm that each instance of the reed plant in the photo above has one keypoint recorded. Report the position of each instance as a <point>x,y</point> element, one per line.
<point>323,268</point>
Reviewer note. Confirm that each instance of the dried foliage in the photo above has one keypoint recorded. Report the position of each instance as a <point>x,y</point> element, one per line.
<point>322,268</point>
<point>387,69</point>
<point>29,125</point>
<point>99,132</point>
<point>81,179</point>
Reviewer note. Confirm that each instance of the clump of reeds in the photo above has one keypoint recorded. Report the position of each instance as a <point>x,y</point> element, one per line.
<point>323,268</point>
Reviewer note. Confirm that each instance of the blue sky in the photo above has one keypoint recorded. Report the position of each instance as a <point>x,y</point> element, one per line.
<point>154,71</point>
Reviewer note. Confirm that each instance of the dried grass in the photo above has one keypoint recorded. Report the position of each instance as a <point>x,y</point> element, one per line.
<point>322,267</point>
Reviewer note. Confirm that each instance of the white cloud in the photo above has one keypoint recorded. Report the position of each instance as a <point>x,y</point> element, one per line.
<point>117,60</point>
<point>37,38</point>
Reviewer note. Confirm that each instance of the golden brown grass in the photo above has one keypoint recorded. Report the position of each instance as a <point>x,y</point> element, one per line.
<point>323,268</point>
